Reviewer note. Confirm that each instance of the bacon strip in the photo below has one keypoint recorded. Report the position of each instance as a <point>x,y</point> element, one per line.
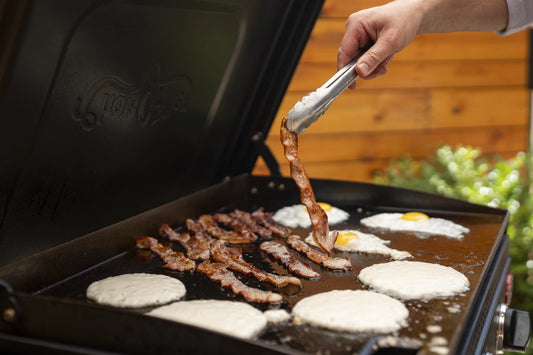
<point>198,246</point>
<point>265,219</point>
<point>232,257</point>
<point>320,258</point>
<point>209,224</point>
<point>281,253</point>
<point>249,221</point>
<point>174,260</point>
<point>319,218</point>
<point>235,224</point>
<point>218,272</point>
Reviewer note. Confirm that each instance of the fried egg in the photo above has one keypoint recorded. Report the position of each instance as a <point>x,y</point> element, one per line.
<point>415,222</point>
<point>352,311</point>
<point>356,241</point>
<point>297,216</point>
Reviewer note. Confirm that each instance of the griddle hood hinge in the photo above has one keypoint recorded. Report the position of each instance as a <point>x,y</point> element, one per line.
<point>264,151</point>
<point>10,308</point>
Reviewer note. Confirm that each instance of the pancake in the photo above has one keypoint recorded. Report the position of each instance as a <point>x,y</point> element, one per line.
<point>237,319</point>
<point>352,311</point>
<point>136,290</point>
<point>414,280</point>
<point>277,315</point>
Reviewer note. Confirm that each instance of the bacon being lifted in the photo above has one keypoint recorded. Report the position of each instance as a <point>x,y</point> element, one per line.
<point>320,258</point>
<point>249,221</point>
<point>232,257</point>
<point>198,246</point>
<point>319,218</point>
<point>281,253</point>
<point>218,272</point>
<point>174,260</point>
<point>265,219</point>
<point>210,225</point>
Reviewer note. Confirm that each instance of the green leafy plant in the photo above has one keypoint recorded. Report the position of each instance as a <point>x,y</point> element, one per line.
<point>464,173</point>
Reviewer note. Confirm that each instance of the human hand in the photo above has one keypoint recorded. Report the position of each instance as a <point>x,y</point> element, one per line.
<point>391,27</point>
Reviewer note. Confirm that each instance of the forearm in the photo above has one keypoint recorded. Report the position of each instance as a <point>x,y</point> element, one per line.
<point>461,15</point>
<point>394,25</point>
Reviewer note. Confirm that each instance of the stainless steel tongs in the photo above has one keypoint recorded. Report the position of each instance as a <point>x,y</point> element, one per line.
<point>313,105</point>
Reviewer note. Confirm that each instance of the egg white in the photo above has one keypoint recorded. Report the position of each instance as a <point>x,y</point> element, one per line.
<point>366,243</point>
<point>297,216</point>
<point>394,222</point>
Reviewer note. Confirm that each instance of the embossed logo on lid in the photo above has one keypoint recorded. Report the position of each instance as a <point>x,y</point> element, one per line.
<point>147,104</point>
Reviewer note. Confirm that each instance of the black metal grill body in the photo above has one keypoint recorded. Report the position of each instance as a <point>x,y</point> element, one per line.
<point>64,272</point>
<point>119,116</point>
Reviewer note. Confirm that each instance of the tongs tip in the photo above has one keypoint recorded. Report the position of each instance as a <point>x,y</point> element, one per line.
<point>307,111</point>
<point>312,106</point>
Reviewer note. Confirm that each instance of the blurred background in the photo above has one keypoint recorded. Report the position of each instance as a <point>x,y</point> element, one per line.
<point>460,88</point>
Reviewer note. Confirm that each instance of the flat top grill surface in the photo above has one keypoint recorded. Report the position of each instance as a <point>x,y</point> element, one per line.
<point>469,256</point>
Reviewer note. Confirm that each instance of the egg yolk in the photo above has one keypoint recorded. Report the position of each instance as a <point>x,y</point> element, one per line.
<point>415,216</point>
<point>325,206</point>
<point>344,237</point>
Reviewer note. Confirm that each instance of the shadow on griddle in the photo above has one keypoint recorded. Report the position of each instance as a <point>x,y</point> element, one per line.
<point>310,339</point>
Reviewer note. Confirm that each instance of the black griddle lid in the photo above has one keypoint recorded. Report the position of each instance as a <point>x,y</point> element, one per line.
<point>110,108</point>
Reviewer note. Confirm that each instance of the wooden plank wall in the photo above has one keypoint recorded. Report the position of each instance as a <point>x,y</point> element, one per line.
<point>461,88</point>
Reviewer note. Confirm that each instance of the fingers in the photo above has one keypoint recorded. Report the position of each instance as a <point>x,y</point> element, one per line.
<point>374,62</point>
<point>379,71</point>
<point>391,27</point>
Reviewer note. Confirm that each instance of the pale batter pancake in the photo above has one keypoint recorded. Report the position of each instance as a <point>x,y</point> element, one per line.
<point>238,319</point>
<point>352,311</point>
<point>136,290</point>
<point>414,280</point>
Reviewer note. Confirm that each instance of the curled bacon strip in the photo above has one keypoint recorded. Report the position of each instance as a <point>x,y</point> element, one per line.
<point>232,257</point>
<point>320,258</point>
<point>218,272</point>
<point>174,260</point>
<point>197,245</point>
<point>319,218</point>
<point>210,225</point>
<point>281,253</point>
<point>265,219</point>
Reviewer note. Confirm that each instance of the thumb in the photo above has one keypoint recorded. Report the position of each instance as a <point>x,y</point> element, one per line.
<point>375,56</point>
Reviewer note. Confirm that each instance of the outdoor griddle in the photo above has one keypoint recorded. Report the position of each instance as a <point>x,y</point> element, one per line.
<point>119,116</point>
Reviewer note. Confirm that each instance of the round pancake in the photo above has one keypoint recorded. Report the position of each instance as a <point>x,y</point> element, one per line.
<point>414,280</point>
<point>352,311</point>
<point>238,319</point>
<point>136,290</point>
